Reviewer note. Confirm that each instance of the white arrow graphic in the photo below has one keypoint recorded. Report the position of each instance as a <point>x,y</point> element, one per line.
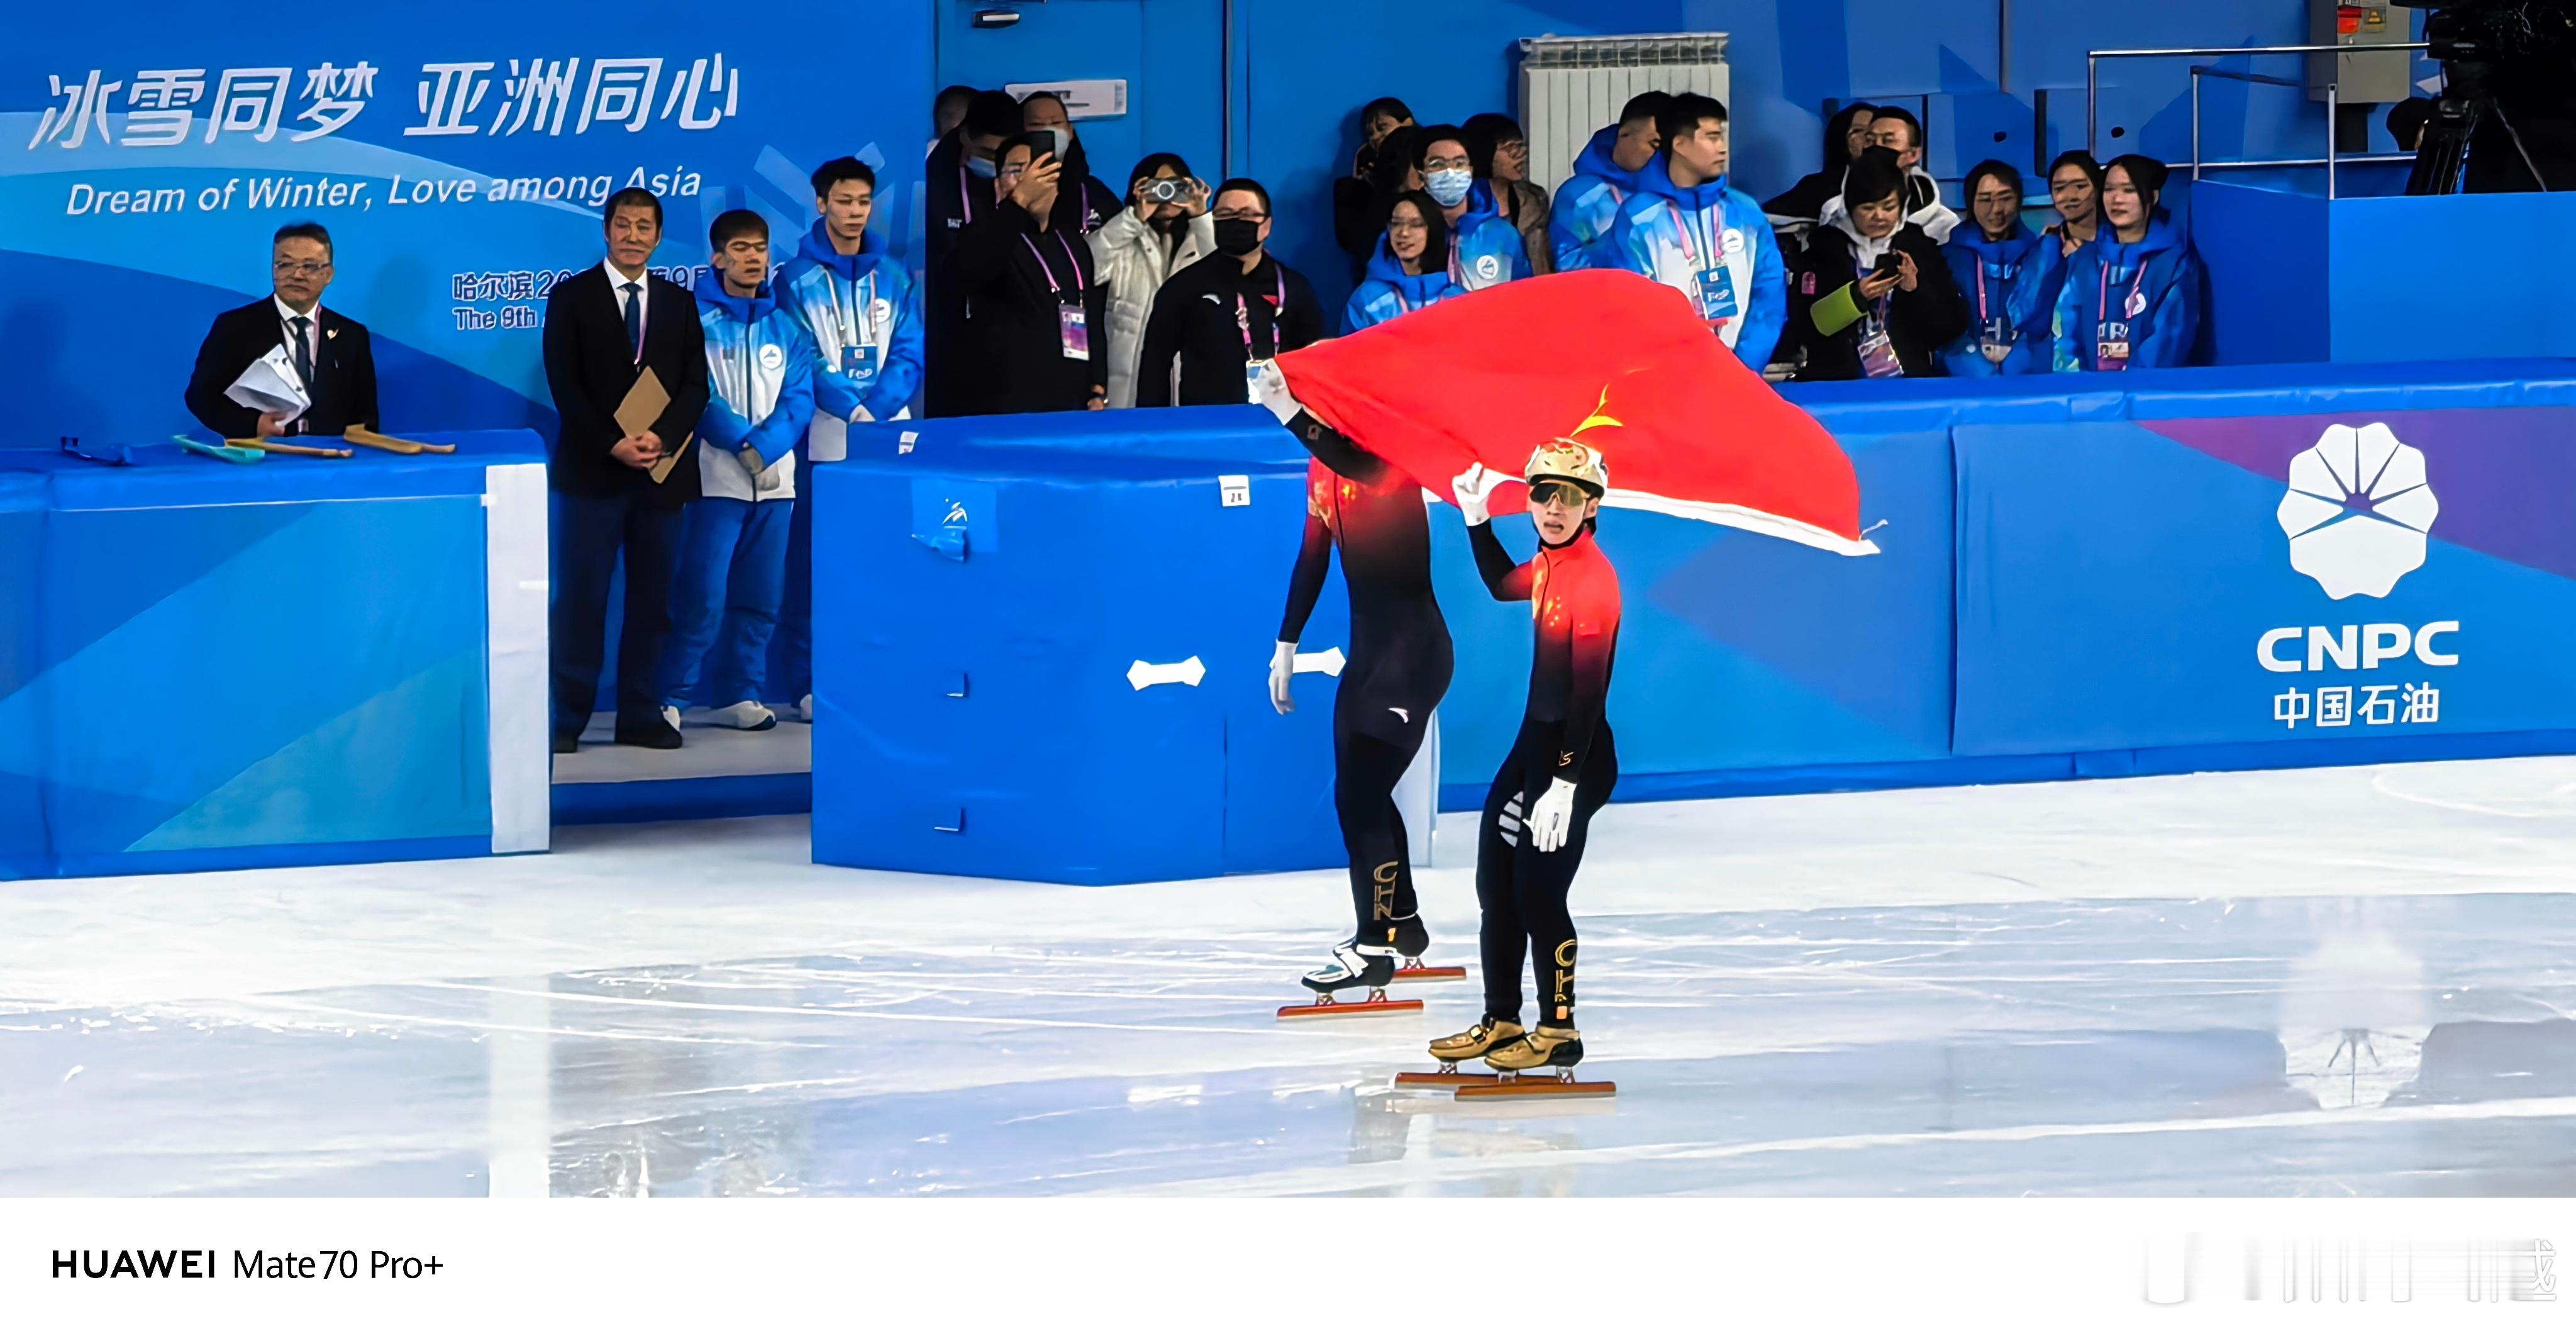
<point>1326,662</point>
<point>1146,674</point>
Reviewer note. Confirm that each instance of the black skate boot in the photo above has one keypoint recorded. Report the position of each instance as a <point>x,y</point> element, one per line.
<point>1355,965</point>
<point>1410,940</point>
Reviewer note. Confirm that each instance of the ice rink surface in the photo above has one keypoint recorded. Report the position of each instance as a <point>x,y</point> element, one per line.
<point>2334,982</point>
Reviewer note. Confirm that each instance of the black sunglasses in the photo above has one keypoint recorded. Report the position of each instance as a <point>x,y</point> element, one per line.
<point>1558,492</point>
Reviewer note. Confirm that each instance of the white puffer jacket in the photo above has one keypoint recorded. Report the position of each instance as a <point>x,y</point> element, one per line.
<point>1132,263</point>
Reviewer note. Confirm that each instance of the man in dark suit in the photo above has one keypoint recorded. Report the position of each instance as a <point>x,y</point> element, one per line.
<point>604,328</point>
<point>330,351</point>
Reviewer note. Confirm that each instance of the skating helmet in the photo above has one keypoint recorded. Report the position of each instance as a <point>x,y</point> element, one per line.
<point>1566,460</point>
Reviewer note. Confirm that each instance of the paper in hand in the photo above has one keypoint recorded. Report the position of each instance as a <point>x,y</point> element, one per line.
<point>270,384</point>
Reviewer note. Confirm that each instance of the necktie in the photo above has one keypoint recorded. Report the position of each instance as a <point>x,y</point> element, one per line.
<point>304,353</point>
<point>635,319</point>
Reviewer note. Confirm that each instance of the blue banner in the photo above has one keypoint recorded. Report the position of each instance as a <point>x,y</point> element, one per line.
<point>2219,581</point>
<point>459,158</point>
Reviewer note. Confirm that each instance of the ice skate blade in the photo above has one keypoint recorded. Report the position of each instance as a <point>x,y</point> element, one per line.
<point>1427,974</point>
<point>1384,1007</point>
<point>1527,1087</point>
<point>1444,1079</point>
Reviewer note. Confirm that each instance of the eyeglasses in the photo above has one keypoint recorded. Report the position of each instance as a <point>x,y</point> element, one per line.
<point>1400,224</point>
<point>1238,215</point>
<point>308,268</point>
<point>1444,164</point>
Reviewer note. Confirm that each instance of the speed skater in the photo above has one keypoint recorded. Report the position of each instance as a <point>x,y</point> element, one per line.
<point>1561,767</point>
<point>1398,669</point>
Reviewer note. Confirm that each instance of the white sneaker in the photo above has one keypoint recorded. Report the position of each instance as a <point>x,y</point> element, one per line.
<point>744,716</point>
<point>671,717</point>
<point>805,708</point>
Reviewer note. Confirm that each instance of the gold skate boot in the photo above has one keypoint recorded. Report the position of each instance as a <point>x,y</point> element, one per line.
<point>1546,1047</point>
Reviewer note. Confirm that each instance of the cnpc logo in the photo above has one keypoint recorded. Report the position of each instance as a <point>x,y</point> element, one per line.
<point>2355,646</point>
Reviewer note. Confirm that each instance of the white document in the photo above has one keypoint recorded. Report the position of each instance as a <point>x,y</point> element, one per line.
<point>270,384</point>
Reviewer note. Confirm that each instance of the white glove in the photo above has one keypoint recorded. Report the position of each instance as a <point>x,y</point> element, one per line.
<point>1552,815</point>
<point>860,415</point>
<point>1283,667</point>
<point>1273,388</point>
<point>1472,488</point>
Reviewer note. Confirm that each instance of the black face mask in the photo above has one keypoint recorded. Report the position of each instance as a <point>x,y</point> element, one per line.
<point>1237,236</point>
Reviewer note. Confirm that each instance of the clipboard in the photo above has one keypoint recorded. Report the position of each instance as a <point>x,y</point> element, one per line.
<point>644,404</point>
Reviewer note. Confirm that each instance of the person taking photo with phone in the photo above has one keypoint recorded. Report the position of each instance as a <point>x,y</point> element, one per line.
<point>1872,298</point>
<point>1038,309</point>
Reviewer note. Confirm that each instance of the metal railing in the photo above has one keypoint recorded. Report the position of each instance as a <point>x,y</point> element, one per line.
<point>2092,99</point>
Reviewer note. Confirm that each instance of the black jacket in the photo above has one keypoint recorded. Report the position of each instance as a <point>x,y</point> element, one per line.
<point>1919,322</point>
<point>1194,321</point>
<point>344,375</point>
<point>589,368</point>
<point>1015,280</point>
<point>953,195</point>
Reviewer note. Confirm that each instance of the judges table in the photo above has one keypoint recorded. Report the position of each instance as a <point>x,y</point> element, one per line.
<point>298,661</point>
<point>2081,575</point>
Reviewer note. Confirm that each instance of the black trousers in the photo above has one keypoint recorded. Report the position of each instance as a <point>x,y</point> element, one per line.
<point>1400,667</point>
<point>589,533</point>
<point>1521,891</point>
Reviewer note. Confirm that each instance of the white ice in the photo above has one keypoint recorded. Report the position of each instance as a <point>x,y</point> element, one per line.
<point>2331,981</point>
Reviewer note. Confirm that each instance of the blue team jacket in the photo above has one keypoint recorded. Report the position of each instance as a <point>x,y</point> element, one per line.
<point>1587,204</point>
<point>2165,273</point>
<point>1389,291</point>
<point>2019,277</point>
<point>1665,232</point>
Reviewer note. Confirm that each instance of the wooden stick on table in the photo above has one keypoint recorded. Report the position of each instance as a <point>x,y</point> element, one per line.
<point>297,450</point>
<point>359,434</point>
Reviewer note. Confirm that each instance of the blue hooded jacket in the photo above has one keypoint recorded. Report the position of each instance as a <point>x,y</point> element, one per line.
<point>1485,250</point>
<point>1587,204</point>
<point>2020,276</point>
<point>1389,291</point>
<point>862,300</point>
<point>1667,233</point>
<point>2166,275</point>
<point>760,388</point>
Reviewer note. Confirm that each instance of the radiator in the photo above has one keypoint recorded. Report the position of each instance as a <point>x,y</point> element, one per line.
<point>1572,86</point>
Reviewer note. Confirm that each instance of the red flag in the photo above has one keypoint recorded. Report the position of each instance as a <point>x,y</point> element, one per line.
<point>1609,359</point>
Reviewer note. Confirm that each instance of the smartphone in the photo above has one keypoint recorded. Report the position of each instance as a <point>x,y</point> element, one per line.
<point>1055,137</point>
<point>1887,263</point>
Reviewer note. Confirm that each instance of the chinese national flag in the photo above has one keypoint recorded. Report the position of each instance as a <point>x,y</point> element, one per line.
<point>1609,359</point>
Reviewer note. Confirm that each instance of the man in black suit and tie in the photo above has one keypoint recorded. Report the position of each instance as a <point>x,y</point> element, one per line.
<point>604,328</point>
<point>330,351</point>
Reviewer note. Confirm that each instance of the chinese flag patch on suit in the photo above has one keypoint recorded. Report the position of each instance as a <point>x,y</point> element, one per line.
<point>1608,359</point>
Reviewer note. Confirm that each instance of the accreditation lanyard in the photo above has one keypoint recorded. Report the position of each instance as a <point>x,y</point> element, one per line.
<point>2135,304</point>
<point>853,321</point>
<point>1243,314</point>
<point>965,194</point>
<point>1079,285</point>
<point>1707,233</point>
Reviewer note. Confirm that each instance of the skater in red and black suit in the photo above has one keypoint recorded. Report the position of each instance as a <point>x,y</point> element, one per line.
<point>1561,768</point>
<point>1399,667</point>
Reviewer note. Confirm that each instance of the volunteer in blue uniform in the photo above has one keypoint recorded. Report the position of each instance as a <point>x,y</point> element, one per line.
<point>2132,297</point>
<point>860,309</point>
<point>1689,229</point>
<point>1484,248</point>
<point>1410,269</point>
<point>1605,174</point>
<point>2007,277</point>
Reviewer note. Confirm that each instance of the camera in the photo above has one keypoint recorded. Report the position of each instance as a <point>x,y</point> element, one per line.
<point>2506,120</point>
<point>1168,189</point>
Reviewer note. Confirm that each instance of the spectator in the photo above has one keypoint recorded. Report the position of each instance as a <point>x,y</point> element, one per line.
<point>1688,229</point>
<point>1846,133</point>
<point>1039,312</point>
<point>2075,191</point>
<point>1605,174</point>
<point>1410,270</point>
<point>1502,167</point>
<point>960,191</point>
<point>2406,121</point>
<point>948,110</point>
<point>732,572</point>
<point>1360,200</point>
<point>1874,299</point>
<point>2007,278</point>
<point>1228,310</point>
<point>1484,249</point>
<point>1895,129</point>
<point>1135,252</point>
<point>2132,297</point>
<point>1080,210</point>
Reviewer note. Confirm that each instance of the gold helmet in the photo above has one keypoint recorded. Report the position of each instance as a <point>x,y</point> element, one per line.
<point>1566,460</point>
